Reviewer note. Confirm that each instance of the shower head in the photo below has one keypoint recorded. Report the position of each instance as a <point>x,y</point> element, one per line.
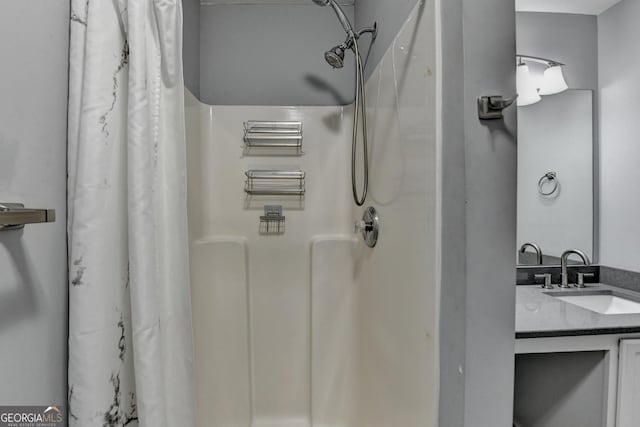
<point>335,56</point>
<point>342,17</point>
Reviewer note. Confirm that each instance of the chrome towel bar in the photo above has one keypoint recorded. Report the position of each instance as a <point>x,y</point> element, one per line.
<point>14,216</point>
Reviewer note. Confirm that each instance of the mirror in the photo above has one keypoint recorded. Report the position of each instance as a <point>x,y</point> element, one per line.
<point>555,176</point>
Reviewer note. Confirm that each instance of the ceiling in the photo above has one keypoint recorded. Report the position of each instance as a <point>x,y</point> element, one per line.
<point>583,7</point>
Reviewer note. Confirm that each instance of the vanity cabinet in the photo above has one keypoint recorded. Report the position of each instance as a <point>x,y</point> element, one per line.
<point>560,389</point>
<point>589,379</point>
<point>628,411</point>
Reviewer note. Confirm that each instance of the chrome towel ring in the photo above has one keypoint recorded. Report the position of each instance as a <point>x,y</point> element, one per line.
<point>549,177</point>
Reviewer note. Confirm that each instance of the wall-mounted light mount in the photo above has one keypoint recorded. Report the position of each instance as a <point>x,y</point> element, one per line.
<point>491,107</point>
<point>538,59</point>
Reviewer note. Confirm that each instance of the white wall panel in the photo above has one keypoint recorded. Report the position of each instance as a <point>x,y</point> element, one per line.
<point>397,281</point>
<point>619,129</point>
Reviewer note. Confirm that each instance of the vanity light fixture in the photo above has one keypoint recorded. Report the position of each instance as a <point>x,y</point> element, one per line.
<point>530,90</point>
<point>552,82</point>
<point>527,90</point>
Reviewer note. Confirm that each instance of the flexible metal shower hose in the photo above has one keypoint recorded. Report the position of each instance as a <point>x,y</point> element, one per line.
<point>360,111</point>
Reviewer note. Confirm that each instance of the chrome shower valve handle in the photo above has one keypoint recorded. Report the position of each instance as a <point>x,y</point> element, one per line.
<point>369,226</point>
<point>360,226</point>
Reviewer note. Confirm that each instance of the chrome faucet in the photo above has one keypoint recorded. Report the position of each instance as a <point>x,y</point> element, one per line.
<point>563,264</point>
<point>536,248</point>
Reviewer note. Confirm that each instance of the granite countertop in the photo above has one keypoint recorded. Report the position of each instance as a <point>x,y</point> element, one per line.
<point>539,315</point>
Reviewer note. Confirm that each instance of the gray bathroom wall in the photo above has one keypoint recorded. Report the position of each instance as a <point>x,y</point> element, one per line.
<point>33,121</point>
<point>490,155</point>
<point>619,84</point>
<point>567,38</point>
<point>271,53</point>
<point>479,215</point>
<point>191,45</point>
<point>453,275</point>
<point>390,16</point>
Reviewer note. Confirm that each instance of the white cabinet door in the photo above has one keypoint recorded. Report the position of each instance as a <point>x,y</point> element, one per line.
<point>629,384</point>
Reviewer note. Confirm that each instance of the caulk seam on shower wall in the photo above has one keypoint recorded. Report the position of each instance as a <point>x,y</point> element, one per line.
<point>439,188</point>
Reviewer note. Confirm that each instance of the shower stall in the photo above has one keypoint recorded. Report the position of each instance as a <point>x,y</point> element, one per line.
<point>297,321</point>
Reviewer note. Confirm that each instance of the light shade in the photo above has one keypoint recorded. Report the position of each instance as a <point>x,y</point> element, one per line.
<point>527,90</point>
<point>553,81</point>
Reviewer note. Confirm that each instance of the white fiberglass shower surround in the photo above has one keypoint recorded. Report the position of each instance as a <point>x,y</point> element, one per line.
<point>312,327</point>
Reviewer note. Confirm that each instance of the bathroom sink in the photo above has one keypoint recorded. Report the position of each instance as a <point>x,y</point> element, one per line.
<point>603,302</point>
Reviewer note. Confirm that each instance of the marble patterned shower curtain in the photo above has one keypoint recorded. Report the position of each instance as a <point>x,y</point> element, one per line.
<point>130,337</point>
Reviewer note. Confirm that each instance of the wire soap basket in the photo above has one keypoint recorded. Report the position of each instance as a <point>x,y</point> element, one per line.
<point>280,138</point>
<point>275,183</point>
<point>272,222</point>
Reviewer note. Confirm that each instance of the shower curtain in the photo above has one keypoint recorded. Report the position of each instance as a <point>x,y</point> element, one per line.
<point>130,337</point>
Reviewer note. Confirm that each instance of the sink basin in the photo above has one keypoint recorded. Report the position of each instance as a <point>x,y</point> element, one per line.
<point>603,302</point>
